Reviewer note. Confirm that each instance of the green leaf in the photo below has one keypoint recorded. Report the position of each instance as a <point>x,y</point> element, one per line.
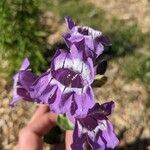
<point>64,123</point>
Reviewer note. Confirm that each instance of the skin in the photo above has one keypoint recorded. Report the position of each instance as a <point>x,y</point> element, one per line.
<point>30,137</point>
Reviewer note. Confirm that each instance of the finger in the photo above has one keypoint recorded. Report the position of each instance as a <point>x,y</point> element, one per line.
<point>68,139</point>
<point>29,140</point>
<point>42,123</point>
<point>30,137</point>
<point>40,110</point>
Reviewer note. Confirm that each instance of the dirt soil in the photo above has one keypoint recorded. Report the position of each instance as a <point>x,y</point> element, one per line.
<point>130,10</point>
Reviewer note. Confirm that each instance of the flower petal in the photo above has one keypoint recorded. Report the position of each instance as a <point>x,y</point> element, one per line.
<point>59,59</point>
<point>84,102</point>
<point>66,37</point>
<point>94,40</point>
<point>78,139</point>
<point>25,64</point>
<point>96,145</point>
<point>65,102</point>
<point>70,23</point>
<point>40,85</point>
<point>110,136</point>
<point>26,78</point>
<point>22,81</point>
<point>102,110</point>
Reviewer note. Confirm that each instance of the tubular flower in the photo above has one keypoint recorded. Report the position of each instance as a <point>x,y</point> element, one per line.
<point>66,87</point>
<point>83,36</point>
<point>95,129</point>
<point>22,82</point>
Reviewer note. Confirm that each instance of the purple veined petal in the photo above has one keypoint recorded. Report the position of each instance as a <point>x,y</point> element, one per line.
<point>87,44</point>
<point>40,85</point>
<point>84,101</point>
<point>24,94</point>
<point>26,78</point>
<point>100,137</point>
<point>55,107</point>
<point>19,94</point>
<point>59,59</point>
<point>68,77</point>
<point>66,37</point>
<point>97,128</point>
<point>48,95</point>
<point>105,137</point>
<point>94,40</point>
<point>96,145</point>
<point>109,136</point>
<point>25,64</point>
<point>74,107</point>
<point>82,30</point>
<point>99,48</point>
<point>52,93</point>
<point>104,109</point>
<point>90,64</point>
<point>22,80</point>
<point>65,102</point>
<point>87,31</point>
<point>77,53</point>
<point>78,139</point>
<point>16,97</point>
<point>89,122</point>
<point>108,107</point>
<point>75,42</point>
<point>75,38</point>
<point>70,70</point>
<point>70,23</point>
<point>68,74</point>
<point>90,43</point>
<point>81,51</point>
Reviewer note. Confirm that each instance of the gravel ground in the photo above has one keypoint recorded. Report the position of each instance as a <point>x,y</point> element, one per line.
<point>129,10</point>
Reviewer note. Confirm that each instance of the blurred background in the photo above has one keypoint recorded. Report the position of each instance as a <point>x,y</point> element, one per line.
<point>33,28</point>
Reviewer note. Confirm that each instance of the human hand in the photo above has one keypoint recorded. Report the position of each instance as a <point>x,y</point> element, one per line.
<point>31,136</point>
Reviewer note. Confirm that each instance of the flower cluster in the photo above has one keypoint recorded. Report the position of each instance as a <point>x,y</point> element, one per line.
<point>66,87</point>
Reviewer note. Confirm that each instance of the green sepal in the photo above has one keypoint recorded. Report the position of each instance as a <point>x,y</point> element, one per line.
<point>64,123</point>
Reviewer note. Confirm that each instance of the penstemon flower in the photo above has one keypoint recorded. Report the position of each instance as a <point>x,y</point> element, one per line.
<point>95,129</point>
<point>66,87</point>
<point>83,36</point>
<point>22,82</point>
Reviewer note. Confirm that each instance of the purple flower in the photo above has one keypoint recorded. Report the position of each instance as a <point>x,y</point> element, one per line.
<point>95,129</point>
<point>83,36</point>
<point>66,87</point>
<point>22,82</point>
